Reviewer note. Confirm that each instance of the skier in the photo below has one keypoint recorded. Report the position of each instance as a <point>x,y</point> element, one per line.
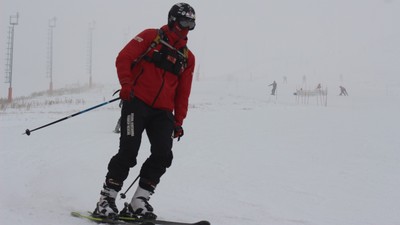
<point>155,70</point>
<point>343,91</point>
<point>273,87</point>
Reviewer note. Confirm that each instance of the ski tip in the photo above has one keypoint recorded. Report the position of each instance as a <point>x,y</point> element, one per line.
<point>76,214</point>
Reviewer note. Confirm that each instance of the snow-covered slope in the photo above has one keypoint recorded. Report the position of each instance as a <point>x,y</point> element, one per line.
<point>246,158</point>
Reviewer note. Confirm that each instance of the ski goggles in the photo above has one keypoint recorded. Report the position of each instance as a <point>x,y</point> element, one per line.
<point>187,23</point>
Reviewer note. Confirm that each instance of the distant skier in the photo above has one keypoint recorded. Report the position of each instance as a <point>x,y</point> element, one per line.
<point>274,85</point>
<point>155,70</point>
<point>284,79</point>
<point>343,91</point>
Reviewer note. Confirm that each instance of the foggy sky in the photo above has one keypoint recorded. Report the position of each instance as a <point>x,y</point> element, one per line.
<point>357,40</point>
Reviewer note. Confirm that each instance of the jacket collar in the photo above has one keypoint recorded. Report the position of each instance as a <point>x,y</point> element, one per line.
<point>173,38</point>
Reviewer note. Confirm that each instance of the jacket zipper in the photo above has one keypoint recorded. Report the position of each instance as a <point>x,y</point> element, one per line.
<point>138,76</point>
<point>159,91</point>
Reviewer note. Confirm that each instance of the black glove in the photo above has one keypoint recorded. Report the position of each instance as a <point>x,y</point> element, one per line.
<point>178,132</point>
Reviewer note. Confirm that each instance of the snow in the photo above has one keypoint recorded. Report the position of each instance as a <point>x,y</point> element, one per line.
<point>246,157</point>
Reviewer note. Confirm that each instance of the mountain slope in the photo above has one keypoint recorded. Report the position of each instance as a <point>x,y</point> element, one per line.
<point>246,158</point>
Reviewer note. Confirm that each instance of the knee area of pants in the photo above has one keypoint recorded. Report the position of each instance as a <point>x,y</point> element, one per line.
<point>162,160</point>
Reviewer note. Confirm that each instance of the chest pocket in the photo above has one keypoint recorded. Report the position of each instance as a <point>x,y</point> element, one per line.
<point>169,59</point>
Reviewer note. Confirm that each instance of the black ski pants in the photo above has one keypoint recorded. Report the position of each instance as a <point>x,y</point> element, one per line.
<point>137,117</point>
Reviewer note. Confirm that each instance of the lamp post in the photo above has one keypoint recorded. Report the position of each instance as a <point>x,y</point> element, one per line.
<point>52,24</point>
<point>90,50</point>
<point>10,54</point>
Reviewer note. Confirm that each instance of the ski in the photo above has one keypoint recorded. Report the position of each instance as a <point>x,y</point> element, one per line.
<point>137,221</point>
<point>161,222</point>
<point>89,216</point>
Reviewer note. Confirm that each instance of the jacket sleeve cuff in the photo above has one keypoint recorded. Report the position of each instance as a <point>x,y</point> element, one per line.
<point>178,122</point>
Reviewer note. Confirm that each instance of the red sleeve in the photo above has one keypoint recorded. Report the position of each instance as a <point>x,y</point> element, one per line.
<point>133,50</point>
<point>183,91</point>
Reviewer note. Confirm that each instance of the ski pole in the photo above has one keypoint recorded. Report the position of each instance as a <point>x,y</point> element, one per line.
<point>28,132</point>
<point>123,195</point>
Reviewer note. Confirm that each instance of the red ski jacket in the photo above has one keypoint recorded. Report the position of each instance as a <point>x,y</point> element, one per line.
<point>156,87</point>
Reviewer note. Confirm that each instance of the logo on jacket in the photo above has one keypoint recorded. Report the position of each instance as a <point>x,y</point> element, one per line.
<point>138,39</point>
